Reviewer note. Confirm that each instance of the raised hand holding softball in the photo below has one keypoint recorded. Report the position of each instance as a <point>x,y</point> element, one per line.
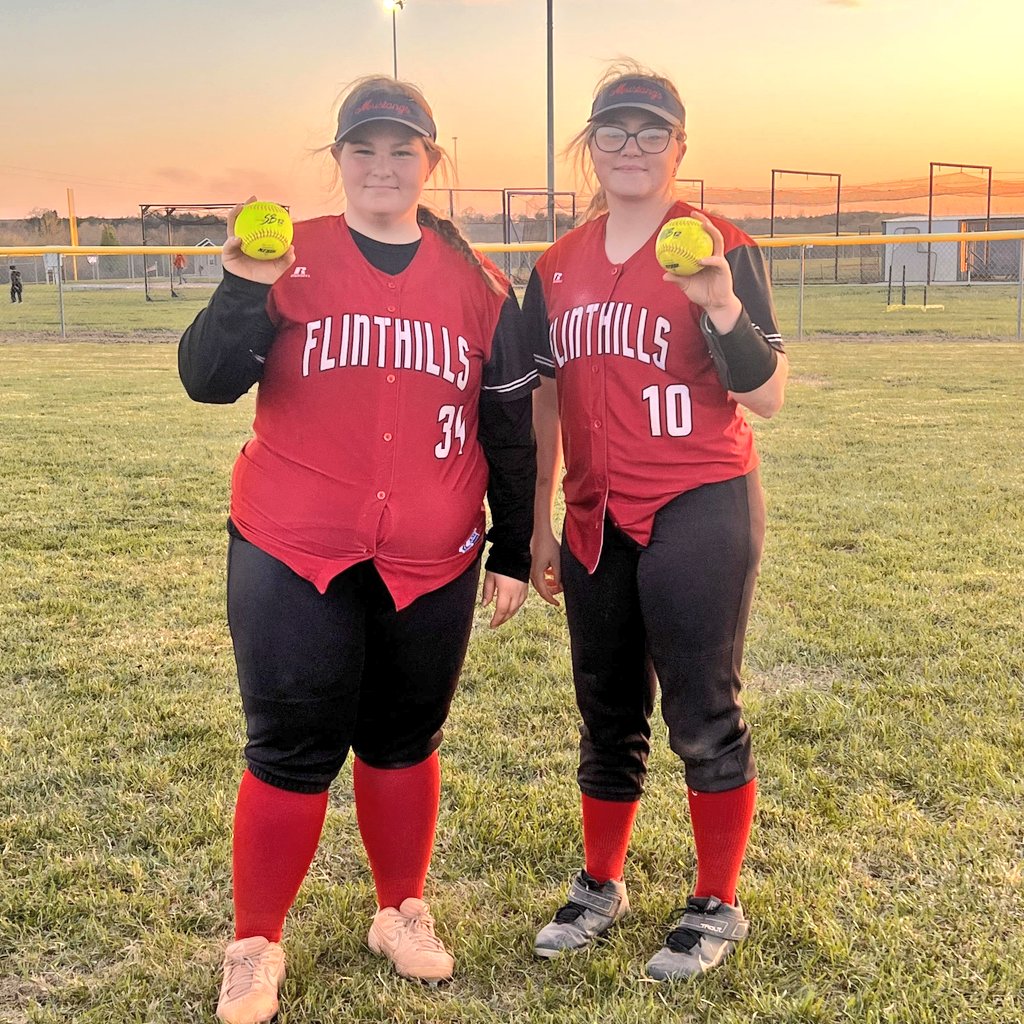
<point>710,284</point>
<point>259,241</point>
<point>681,244</point>
<point>265,230</point>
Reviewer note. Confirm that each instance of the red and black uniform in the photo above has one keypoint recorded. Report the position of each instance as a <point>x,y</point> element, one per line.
<point>394,391</point>
<point>664,514</point>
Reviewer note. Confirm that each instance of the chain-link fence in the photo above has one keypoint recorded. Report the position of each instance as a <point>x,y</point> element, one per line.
<point>965,284</point>
<point>507,216</point>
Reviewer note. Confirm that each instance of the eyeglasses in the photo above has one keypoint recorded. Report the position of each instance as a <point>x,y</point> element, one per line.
<point>610,139</point>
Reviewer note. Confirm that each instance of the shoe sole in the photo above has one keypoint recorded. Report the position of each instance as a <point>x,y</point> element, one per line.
<point>548,954</point>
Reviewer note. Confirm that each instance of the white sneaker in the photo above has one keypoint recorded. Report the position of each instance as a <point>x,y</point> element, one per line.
<point>406,937</point>
<point>253,972</point>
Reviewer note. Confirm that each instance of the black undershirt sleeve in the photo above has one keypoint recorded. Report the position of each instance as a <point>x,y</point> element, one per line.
<point>746,356</point>
<point>506,437</point>
<point>221,355</point>
<point>535,324</point>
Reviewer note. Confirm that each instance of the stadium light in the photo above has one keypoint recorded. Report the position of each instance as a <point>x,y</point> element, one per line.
<point>393,6</point>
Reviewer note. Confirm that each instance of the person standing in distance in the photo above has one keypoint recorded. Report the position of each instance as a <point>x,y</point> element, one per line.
<point>394,392</point>
<point>644,375</point>
<point>16,286</point>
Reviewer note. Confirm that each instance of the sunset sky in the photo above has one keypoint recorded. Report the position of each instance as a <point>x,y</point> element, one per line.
<point>211,100</point>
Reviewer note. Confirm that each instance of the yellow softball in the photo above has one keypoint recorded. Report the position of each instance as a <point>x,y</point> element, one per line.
<point>681,243</point>
<point>265,230</point>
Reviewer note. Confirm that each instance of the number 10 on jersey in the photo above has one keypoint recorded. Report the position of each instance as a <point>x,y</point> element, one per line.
<point>669,410</point>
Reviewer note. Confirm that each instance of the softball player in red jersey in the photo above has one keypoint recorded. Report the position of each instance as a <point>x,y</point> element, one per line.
<point>644,376</point>
<point>394,391</point>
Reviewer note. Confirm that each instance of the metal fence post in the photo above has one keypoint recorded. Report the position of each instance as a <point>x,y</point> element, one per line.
<point>60,294</point>
<point>1020,287</point>
<point>800,300</point>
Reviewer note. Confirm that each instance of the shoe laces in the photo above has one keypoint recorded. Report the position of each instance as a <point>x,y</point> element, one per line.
<point>421,931</point>
<point>571,911</point>
<point>680,939</point>
<point>241,971</point>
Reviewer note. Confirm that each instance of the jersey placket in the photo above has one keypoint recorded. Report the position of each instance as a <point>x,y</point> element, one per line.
<point>387,421</point>
<point>597,425</point>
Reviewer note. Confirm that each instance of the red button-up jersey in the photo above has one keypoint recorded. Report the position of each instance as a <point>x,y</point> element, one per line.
<point>643,413</point>
<point>365,439</point>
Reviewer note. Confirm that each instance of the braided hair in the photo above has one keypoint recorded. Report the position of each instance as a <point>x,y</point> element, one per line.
<point>454,238</point>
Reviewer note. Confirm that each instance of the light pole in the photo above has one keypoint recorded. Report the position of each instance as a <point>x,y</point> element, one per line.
<point>393,6</point>
<point>451,193</point>
<point>551,119</point>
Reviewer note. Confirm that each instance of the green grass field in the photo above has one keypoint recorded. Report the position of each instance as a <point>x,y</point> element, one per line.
<point>980,311</point>
<point>884,878</point>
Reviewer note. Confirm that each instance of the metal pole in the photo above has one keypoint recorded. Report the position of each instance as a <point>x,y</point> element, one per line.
<point>551,120</point>
<point>928,256</point>
<point>170,260</point>
<point>143,210</point>
<point>839,188</point>
<point>1020,287</point>
<point>60,294</point>
<point>394,40</point>
<point>800,302</point>
<point>988,214</point>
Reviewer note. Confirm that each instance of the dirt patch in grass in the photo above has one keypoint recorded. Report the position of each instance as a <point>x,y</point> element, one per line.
<point>90,337</point>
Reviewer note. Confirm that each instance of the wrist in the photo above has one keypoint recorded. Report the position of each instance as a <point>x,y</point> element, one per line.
<point>725,317</point>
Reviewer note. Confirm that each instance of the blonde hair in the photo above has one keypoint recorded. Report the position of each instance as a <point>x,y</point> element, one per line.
<point>441,165</point>
<point>577,152</point>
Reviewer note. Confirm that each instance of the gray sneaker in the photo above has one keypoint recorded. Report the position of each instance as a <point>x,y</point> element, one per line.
<point>592,909</point>
<point>700,940</point>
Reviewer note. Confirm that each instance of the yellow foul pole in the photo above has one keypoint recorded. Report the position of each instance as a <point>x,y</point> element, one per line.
<point>74,230</point>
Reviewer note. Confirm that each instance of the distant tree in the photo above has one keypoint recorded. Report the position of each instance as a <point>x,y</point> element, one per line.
<point>46,224</point>
<point>108,235</point>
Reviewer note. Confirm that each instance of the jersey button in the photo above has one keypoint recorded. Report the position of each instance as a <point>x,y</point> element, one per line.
<point>391,378</point>
<point>391,309</point>
<point>391,285</point>
<point>387,437</point>
<point>381,495</point>
<point>615,270</point>
<point>597,424</point>
<point>595,368</point>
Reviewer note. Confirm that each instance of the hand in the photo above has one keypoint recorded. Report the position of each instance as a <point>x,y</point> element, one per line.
<point>260,271</point>
<point>508,596</point>
<point>546,571</point>
<point>711,288</point>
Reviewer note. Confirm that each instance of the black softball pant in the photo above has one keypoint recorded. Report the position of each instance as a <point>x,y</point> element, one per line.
<point>675,613</point>
<point>322,673</point>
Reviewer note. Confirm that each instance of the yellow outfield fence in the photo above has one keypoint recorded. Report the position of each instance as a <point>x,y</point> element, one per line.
<point>967,284</point>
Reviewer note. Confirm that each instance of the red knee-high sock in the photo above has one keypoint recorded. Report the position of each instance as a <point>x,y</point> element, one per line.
<point>276,835</point>
<point>721,827</point>
<point>607,826</point>
<point>397,813</point>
